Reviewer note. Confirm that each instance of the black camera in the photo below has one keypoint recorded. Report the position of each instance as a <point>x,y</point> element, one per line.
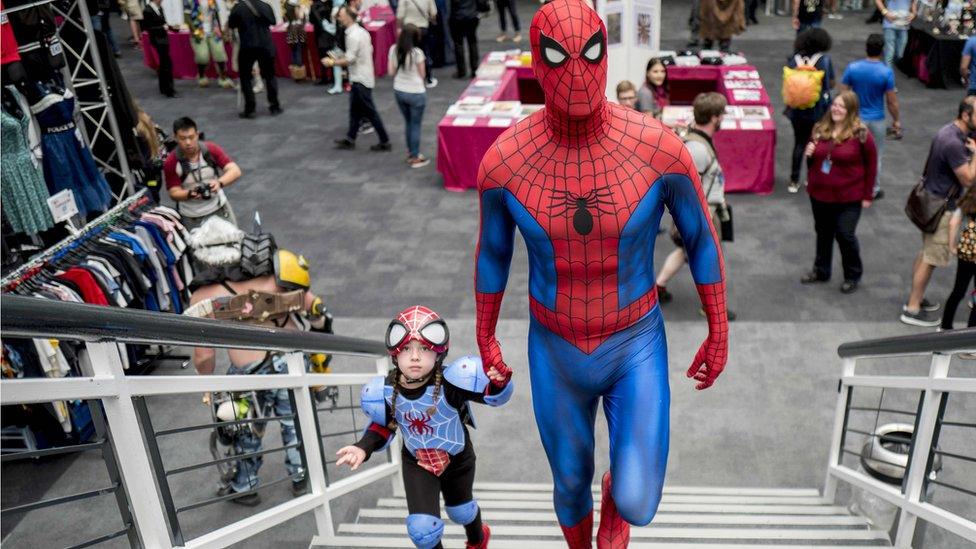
<point>202,191</point>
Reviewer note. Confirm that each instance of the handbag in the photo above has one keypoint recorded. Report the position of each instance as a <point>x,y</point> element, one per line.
<point>925,208</point>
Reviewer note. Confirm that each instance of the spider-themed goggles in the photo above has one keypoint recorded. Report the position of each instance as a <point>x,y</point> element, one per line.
<point>421,324</point>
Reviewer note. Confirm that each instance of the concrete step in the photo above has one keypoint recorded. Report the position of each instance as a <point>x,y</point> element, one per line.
<point>521,516</point>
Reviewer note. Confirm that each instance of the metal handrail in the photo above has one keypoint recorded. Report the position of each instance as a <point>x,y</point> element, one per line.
<point>35,317</point>
<point>949,341</point>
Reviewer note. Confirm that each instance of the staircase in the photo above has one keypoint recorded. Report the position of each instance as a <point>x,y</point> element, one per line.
<point>521,517</point>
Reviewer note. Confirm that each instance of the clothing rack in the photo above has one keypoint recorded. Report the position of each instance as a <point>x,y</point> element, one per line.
<point>127,205</point>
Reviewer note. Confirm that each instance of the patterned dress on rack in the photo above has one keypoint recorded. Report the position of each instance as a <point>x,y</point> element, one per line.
<point>68,164</point>
<point>24,192</point>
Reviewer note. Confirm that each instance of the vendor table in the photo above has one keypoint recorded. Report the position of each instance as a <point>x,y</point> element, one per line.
<point>933,59</point>
<point>378,20</point>
<point>747,155</point>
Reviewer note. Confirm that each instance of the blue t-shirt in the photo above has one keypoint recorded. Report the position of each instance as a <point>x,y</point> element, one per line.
<point>970,50</point>
<point>903,6</point>
<point>870,80</point>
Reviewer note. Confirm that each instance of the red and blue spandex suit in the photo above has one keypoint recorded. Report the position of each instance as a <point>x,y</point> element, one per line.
<point>586,183</point>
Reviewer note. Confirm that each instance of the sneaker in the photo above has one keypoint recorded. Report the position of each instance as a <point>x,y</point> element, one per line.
<point>299,487</point>
<point>848,287</point>
<point>418,162</point>
<point>432,83</point>
<point>245,115</point>
<point>225,83</point>
<point>366,129</point>
<point>929,306</point>
<point>345,144</point>
<point>485,536</point>
<point>501,38</point>
<point>248,499</point>
<point>879,194</point>
<point>834,16</point>
<point>276,110</point>
<point>203,81</point>
<point>517,38</point>
<point>381,147</point>
<point>793,187</point>
<point>812,278</point>
<point>921,318</point>
<point>334,90</point>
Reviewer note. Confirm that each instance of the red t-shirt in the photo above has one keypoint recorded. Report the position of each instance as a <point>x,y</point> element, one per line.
<point>91,292</point>
<point>853,168</point>
<point>171,168</point>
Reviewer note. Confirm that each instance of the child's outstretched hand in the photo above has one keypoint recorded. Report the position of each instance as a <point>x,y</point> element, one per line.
<point>351,455</point>
<point>496,377</point>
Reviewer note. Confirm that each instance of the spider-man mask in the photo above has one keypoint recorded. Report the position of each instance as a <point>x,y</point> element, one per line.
<point>569,57</point>
<point>417,323</point>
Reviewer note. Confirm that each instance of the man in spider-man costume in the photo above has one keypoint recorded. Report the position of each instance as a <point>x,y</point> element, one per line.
<point>586,183</point>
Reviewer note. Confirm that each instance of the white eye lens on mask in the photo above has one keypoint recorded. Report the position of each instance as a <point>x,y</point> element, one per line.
<point>554,56</point>
<point>594,51</point>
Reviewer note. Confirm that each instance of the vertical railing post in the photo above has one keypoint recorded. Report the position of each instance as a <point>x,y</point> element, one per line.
<point>393,450</point>
<point>305,421</point>
<point>840,424</point>
<point>130,450</point>
<point>922,445</point>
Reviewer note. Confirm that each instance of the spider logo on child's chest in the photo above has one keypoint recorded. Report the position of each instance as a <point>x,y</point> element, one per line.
<point>582,207</point>
<point>418,423</point>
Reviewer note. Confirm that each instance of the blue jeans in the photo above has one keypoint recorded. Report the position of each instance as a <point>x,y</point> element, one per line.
<point>100,23</point>
<point>895,41</point>
<point>412,106</point>
<point>278,403</point>
<point>877,129</point>
<point>810,25</point>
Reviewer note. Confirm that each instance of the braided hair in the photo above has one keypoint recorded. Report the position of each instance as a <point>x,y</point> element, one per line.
<point>438,379</point>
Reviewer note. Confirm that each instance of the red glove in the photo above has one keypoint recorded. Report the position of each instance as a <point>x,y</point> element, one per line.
<point>488,306</point>
<point>714,352</point>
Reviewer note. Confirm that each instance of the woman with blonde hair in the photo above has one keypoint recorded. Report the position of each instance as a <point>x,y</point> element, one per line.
<point>841,166</point>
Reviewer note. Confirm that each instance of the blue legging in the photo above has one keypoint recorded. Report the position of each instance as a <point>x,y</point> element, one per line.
<point>630,371</point>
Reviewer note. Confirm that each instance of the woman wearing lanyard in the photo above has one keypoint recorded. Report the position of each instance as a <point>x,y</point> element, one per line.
<point>842,164</point>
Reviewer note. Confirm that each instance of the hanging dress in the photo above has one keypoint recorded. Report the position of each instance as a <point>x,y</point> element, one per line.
<point>68,164</point>
<point>23,190</point>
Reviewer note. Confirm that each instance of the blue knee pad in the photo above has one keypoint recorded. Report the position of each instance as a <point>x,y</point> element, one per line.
<point>424,530</point>
<point>463,514</point>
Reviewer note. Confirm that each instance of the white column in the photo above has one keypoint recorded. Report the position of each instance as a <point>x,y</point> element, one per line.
<point>633,37</point>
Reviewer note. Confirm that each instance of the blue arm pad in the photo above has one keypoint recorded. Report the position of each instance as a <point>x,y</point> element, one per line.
<point>502,397</point>
<point>467,374</point>
<point>373,400</point>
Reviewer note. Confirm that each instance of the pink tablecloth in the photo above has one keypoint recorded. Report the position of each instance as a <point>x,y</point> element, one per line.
<point>381,27</point>
<point>747,156</point>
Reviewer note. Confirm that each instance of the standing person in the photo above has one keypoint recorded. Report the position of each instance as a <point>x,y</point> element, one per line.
<point>420,13</point>
<point>204,18</point>
<point>807,14</point>
<point>295,17</point>
<point>841,157</point>
<point>155,24</point>
<point>325,30</point>
<point>810,53</point>
<point>133,10</point>
<point>874,84</point>
<point>720,21</point>
<point>464,28</point>
<point>101,22</point>
<point>627,94</point>
<point>964,249</point>
<point>950,167</point>
<point>967,65</point>
<point>252,19</point>
<point>694,24</point>
<point>653,95</point>
<point>440,458</point>
<point>897,16</point>
<point>407,60</point>
<point>751,7</point>
<point>196,175</point>
<point>359,61</point>
<point>709,110</point>
<point>510,7</point>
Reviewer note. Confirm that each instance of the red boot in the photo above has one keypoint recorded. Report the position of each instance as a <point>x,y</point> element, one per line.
<point>614,532</point>
<point>581,535</point>
<point>485,536</point>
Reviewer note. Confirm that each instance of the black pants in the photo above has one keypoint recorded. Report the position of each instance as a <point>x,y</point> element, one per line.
<point>751,7</point>
<point>507,5</point>
<point>165,71</point>
<point>465,30</point>
<point>423,489</point>
<point>361,107</point>
<point>245,61</point>
<point>802,129</point>
<point>837,221</point>
<point>965,273</point>
<point>428,64</point>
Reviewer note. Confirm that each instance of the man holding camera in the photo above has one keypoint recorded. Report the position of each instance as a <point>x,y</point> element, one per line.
<point>196,173</point>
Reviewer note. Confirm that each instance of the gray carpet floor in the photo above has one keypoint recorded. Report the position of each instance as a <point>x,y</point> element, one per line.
<point>381,236</point>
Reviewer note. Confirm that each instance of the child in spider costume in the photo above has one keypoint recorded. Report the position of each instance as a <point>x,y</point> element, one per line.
<point>429,403</point>
<point>586,183</point>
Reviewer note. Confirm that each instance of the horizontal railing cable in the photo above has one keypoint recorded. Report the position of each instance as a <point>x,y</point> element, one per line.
<point>102,539</point>
<point>235,495</point>
<point>51,451</point>
<point>59,500</point>
<point>235,457</point>
<point>200,427</point>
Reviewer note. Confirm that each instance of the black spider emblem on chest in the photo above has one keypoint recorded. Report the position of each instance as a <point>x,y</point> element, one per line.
<point>598,200</point>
